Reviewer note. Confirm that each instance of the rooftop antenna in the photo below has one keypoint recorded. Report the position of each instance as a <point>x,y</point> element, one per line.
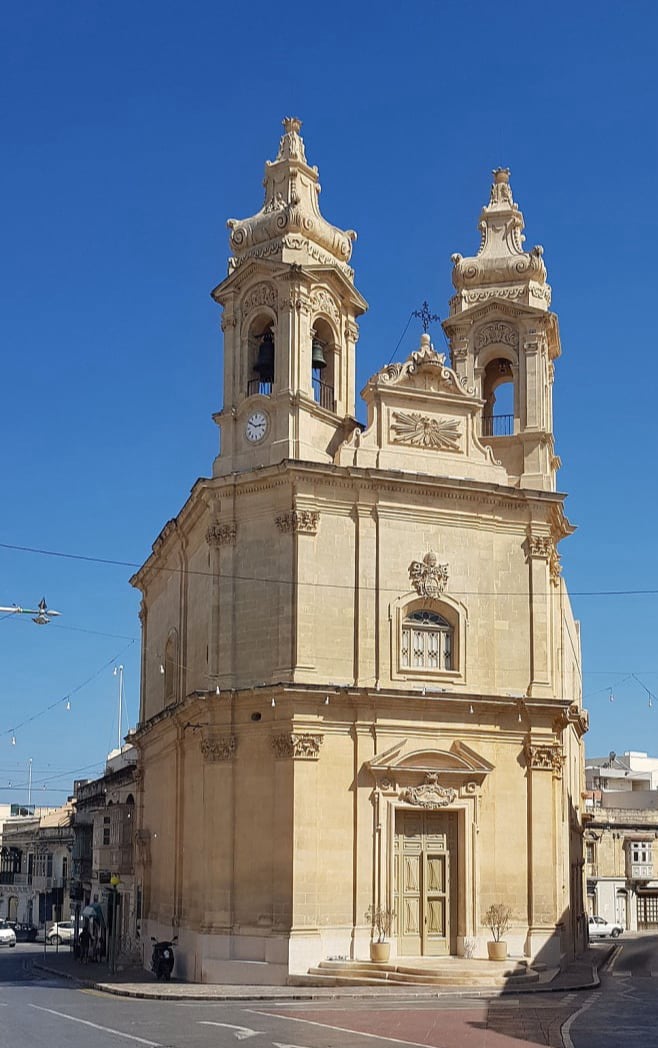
<point>118,672</point>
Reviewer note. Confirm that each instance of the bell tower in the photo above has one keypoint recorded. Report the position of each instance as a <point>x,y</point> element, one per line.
<point>289,323</point>
<point>502,334</point>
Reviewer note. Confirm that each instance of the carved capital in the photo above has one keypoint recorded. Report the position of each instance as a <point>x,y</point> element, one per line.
<point>304,746</point>
<point>540,546</point>
<point>221,534</point>
<point>219,747</point>
<point>352,331</point>
<point>228,321</point>
<point>545,757</point>
<point>299,520</point>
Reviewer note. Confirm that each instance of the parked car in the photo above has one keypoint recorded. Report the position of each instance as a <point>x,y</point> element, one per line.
<point>599,928</point>
<point>24,932</point>
<point>61,931</point>
<point>7,934</point>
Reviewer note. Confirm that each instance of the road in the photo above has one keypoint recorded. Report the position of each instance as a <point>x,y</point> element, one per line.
<point>41,1011</point>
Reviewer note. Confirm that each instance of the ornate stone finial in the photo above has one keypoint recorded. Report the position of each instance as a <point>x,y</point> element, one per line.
<point>291,146</point>
<point>289,227</point>
<point>501,268</point>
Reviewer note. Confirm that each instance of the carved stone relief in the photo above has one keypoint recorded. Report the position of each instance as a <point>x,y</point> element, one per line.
<point>410,427</point>
<point>260,295</point>
<point>428,577</point>
<point>298,746</point>
<point>429,794</point>
<point>322,302</point>
<point>497,333</point>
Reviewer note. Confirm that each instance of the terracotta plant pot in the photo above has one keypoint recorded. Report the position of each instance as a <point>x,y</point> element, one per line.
<point>497,951</point>
<point>380,952</point>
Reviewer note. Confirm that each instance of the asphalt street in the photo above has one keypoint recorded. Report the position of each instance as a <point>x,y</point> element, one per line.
<point>42,1011</point>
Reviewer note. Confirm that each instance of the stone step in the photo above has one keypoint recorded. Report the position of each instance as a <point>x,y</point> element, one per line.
<point>441,974</point>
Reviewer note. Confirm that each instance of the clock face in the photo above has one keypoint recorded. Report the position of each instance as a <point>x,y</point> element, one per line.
<point>256,427</point>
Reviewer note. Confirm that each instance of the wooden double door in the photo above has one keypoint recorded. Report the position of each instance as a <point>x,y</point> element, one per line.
<point>425,878</point>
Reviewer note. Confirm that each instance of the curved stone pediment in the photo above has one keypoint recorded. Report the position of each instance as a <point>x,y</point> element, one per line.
<point>460,761</point>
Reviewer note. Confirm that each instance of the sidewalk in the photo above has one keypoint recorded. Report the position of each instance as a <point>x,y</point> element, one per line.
<point>582,974</point>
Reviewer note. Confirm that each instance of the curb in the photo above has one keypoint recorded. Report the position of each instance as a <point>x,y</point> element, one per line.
<point>116,990</point>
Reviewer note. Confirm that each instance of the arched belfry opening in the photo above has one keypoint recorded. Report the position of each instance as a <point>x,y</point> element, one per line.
<point>323,364</point>
<point>261,356</point>
<point>498,393</point>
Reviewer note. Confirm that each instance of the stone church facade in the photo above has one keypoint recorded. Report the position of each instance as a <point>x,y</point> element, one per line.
<point>361,677</point>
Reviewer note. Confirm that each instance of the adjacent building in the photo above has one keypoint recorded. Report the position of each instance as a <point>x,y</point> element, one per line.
<point>103,855</point>
<point>361,675</point>
<point>621,838</point>
<point>35,865</point>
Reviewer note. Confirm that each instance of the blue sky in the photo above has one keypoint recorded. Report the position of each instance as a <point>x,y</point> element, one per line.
<point>131,132</point>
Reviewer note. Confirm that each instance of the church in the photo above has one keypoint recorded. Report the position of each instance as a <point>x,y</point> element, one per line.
<point>361,675</point>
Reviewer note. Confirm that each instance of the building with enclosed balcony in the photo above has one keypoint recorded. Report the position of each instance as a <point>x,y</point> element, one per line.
<point>621,839</point>
<point>36,863</point>
<point>104,849</point>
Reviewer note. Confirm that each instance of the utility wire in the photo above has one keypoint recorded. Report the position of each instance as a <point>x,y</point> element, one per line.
<point>315,584</point>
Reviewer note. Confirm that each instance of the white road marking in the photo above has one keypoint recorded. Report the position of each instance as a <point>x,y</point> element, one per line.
<point>95,1026</point>
<point>277,1044</point>
<point>344,1029</point>
<point>566,1027</point>
<point>242,1032</point>
<point>610,964</point>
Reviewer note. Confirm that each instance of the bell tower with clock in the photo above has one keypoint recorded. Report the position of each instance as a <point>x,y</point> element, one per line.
<point>289,323</point>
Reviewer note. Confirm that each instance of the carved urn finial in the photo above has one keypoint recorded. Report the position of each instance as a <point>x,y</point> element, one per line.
<point>291,146</point>
<point>501,174</point>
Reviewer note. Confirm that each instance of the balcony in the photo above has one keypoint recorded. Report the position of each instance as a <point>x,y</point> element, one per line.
<point>323,394</point>
<point>255,387</point>
<point>639,871</point>
<point>498,425</point>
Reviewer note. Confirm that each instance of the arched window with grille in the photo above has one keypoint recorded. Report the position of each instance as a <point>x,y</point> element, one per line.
<point>427,642</point>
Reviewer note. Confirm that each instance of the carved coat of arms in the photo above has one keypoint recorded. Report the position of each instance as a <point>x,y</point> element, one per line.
<point>430,794</point>
<point>428,577</point>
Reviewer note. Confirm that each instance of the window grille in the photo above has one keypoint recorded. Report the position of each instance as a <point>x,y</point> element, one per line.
<point>427,642</point>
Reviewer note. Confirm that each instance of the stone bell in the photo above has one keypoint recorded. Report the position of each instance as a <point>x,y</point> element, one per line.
<point>318,361</point>
<point>265,363</point>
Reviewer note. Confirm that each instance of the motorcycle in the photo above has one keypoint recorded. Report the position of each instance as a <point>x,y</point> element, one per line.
<point>162,958</point>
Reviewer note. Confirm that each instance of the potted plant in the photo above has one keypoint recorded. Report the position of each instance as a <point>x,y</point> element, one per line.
<point>497,919</point>
<point>381,921</point>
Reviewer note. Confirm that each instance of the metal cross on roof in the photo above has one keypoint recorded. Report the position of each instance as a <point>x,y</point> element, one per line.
<point>425,316</point>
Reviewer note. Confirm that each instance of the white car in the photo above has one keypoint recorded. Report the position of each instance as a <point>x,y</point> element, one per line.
<point>60,932</point>
<point>599,928</point>
<point>7,935</point>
